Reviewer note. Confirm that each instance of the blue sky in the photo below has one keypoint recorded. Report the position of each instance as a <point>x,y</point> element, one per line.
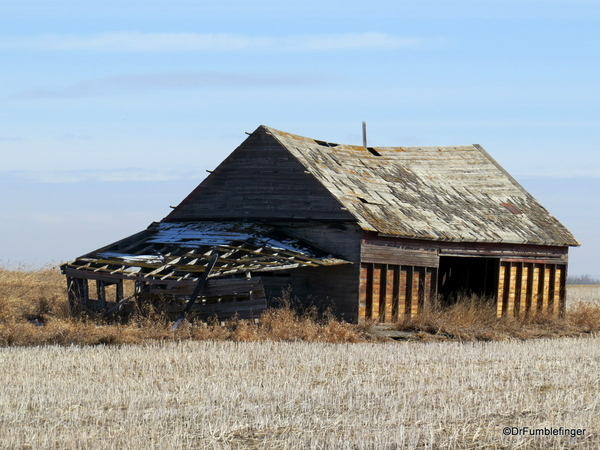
<point>110,112</point>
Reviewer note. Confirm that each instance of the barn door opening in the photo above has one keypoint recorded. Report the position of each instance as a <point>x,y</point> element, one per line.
<point>460,275</point>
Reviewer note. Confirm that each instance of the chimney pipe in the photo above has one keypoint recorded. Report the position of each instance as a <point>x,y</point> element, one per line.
<point>364,130</point>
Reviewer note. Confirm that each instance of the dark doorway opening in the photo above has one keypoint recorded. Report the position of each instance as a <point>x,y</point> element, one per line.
<point>460,275</point>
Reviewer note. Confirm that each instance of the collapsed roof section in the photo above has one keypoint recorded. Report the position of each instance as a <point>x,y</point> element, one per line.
<point>180,251</point>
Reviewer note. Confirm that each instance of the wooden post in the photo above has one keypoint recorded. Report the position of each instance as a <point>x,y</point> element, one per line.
<point>101,292</point>
<point>119,295</point>
<point>518,289</point>
<point>409,290</point>
<point>71,295</point>
<point>396,294</point>
<point>501,289</point>
<point>563,290</point>
<point>369,297</point>
<point>552,307</point>
<point>77,292</point>
<point>364,293</point>
<point>377,271</point>
<point>530,284</point>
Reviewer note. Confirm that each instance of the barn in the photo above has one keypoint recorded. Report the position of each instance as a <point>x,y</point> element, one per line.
<point>376,232</point>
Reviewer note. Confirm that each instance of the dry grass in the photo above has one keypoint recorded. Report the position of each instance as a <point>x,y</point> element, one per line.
<point>297,395</point>
<point>30,298</point>
<point>34,311</point>
<point>473,319</point>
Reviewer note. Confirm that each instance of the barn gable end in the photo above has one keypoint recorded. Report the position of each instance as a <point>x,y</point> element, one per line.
<point>260,180</point>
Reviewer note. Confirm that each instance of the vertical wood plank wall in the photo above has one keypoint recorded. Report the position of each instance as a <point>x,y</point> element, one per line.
<point>526,288</point>
<point>390,293</point>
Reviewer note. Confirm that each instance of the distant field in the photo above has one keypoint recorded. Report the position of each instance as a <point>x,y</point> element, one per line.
<point>583,293</point>
<point>277,395</point>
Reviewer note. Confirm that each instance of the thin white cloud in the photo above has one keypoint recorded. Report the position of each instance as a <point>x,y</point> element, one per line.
<point>11,139</point>
<point>74,137</point>
<point>129,41</point>
<point>169,80</point>
<point>98,175</point>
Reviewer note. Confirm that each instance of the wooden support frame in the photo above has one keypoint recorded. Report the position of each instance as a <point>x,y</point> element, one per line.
<point>78,292</point>
<point>528,287</point>
<point>391,293</point>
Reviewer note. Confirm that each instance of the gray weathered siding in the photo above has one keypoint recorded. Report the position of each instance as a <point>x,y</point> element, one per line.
<point>260,180</point>
<point>337,285</point>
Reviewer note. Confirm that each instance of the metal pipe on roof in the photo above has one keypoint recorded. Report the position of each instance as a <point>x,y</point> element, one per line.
<point>364,130</point>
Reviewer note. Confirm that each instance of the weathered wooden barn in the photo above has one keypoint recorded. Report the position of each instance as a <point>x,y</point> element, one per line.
<point>378,232</point>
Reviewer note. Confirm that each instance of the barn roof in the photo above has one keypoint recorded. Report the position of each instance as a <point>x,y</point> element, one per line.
<point>455,193</point>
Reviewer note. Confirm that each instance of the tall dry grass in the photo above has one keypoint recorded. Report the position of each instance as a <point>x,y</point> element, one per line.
<point>34,311</point>
<point>472,318</point>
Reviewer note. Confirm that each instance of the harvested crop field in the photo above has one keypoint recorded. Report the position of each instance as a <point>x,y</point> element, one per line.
<point>262,395</point>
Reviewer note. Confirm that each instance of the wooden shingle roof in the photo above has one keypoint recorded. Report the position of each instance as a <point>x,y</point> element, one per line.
<point>457,193</point>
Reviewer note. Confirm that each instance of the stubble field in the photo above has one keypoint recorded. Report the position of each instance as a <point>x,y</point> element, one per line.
<point>281,395</point>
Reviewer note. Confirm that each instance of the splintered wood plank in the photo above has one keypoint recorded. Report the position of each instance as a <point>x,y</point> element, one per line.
<point>552,297</point>
<point>546,297</point>
<point>518,286</point>
<point>530,286</point>
<point>501,289</point>
<point>510,307</point>
<point>389,293</point>
<point>558,288</point>
<point>535,291</point>
<point>377,269</point>
<point>562,292</point>
<point>414,304</point>
<point>362,303</point>
<point>428,287</point>
<point>403,293</point>
<point>523,296</point>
